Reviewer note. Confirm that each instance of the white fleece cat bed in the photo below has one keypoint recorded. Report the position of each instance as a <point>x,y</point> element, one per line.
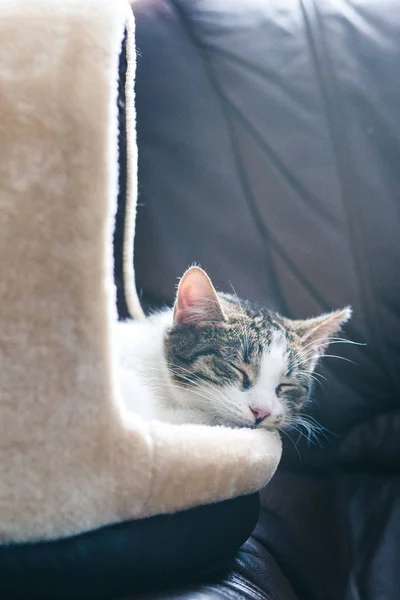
<point>69,460</point>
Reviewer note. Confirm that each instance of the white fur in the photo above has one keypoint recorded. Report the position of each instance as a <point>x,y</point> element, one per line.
<point>145,385</point>
<point>147,388</point>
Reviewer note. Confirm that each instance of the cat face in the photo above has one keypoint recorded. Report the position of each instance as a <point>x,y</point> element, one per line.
<point>238,365</point>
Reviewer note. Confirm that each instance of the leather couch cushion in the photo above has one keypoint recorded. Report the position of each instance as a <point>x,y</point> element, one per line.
<point>269,145</point>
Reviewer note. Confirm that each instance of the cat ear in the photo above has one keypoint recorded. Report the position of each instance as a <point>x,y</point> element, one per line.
<point>316,333</point>
<point>196,300</point>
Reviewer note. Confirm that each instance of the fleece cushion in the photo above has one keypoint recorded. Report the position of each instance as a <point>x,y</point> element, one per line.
<point>70,459</point>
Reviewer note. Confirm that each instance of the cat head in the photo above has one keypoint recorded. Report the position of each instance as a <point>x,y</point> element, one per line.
<point>242,366</point>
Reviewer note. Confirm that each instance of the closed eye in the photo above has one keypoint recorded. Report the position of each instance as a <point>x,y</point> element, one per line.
<point>246,382</point>
<point>283,388</point>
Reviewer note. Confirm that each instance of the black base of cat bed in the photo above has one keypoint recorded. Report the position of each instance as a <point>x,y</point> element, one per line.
<point>122,560</point>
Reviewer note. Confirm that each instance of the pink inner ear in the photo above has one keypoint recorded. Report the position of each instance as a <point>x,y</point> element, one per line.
<point>197,299</point>
<point>186,296</point>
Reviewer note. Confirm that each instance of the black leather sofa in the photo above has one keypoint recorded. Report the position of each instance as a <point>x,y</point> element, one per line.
<point>269,151</point>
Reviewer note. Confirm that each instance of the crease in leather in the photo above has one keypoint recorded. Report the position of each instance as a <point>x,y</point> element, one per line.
<point>323,66</point>
<point>266,234</point>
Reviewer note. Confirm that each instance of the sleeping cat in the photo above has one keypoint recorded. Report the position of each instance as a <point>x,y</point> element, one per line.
<point>214,359</point>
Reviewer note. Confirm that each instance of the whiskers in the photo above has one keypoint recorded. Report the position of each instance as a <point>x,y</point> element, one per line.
<point>314,348</point>
<point>212,399</point>
<point>312,377</point>
<point>284,432</point>
<point>308,427</point>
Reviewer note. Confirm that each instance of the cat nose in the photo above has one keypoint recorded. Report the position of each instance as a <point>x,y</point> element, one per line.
<point>260,413</point>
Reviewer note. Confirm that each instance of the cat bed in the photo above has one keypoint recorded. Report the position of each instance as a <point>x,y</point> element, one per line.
<point>71,460</point>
